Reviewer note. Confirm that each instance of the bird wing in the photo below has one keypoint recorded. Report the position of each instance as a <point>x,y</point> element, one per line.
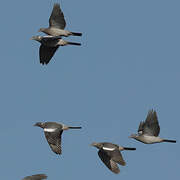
<point>108,161</point>
<point>54,141</point>
<point>151,125</point>
<point>117,157</point>
<point>35,177</point>
<point>46,53</point>
<point>57,18</point>
<point>141,127</point>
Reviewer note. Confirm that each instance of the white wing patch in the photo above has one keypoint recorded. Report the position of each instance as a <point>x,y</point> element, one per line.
<point>108,149</point>
<point>50,129</point>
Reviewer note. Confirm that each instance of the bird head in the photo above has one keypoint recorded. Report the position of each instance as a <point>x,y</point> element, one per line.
<point>133,136</point>
<point>97,145</point>
<point>36,38</point>
<point>39,124</point>
<point>41,30</point>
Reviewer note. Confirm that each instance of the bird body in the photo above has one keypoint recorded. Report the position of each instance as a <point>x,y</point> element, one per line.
<point>110,155</point>
<point>53,132</point>
<point>52,41</point>
<point>49,45</point>
<point>146,139</point>
<point>35,177</point>
<point>57,24</point>
<point>149,130</point>
<point>53,31</point>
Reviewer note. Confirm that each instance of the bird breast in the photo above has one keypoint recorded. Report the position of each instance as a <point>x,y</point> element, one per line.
<point>58,32</point>
<point>149,139</point>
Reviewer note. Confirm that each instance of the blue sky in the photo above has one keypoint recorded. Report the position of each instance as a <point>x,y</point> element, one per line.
<point>129,62</point>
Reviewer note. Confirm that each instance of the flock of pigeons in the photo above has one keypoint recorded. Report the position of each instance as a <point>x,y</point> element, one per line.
<point>109,153</point>
<point>55,31</point>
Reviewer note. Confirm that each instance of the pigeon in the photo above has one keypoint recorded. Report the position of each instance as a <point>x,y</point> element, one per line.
<point>149,130</point>
<point>35,177</point>
<point>53,132</point>
<point>110,155</point>
<point>57,24</point>
<point>49,45</point>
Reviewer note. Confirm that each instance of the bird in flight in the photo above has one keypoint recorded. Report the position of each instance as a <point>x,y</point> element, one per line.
<point>49,45</point>
<point>110,155</point>
<point>53,132</point>
<point>57,24</point>
<point>149,130</point>
<point>35,177</point>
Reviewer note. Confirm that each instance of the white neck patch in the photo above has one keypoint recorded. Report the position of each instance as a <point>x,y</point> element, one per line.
<point>108,149</point>
<point>49,129</point>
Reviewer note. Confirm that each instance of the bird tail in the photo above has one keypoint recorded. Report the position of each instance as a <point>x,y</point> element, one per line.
<point>70,127</point>
<point>171,141</point>
<point>131,149</point>
<point>73,43</point>
<point>76,34</point>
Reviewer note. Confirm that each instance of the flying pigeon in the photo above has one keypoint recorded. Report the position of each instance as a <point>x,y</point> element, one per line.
<point>57,24</point>
<point>49,45</point>
<point>35,177</point>
<point>53,132</point>
<point>110,155</point>
<point>149,130</point>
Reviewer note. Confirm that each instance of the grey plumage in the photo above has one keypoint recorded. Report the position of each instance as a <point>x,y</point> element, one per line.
<point>57,24</point>
<point>53,132</point>
<point>110,155</point>
<point>49,45</point>
<point>35,177</point>
<point>149,130</point>
<point>57,17</point>
<point>151,125</point>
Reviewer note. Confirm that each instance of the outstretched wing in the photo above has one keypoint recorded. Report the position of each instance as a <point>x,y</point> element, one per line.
<point>46,53</point>
<point>35,177</point>
<point>57,17</point>
<point>54,141</point>
<point>108,161</point>
<point>151,125</point>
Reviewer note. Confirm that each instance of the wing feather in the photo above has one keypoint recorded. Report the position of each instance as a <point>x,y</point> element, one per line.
<point>108,162</point>
<point>54,141</point>
<point>151,124</point>
<point>46,53</point>
<point>57,17</point>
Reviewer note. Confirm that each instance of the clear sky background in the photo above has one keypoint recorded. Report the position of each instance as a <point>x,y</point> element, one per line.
<point>129,62</point>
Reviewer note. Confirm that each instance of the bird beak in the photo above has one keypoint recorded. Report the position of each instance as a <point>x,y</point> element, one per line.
<point>38,124</point>
<point>35,124</point>
<point>93,144</point>
<point>131,136</point>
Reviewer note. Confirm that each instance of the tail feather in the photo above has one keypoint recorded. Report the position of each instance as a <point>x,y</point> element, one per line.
<point>74,127</point>
<point>76,34</point>
<point>131,149</point>
<point>73,43</point>
<point>171,141</point>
